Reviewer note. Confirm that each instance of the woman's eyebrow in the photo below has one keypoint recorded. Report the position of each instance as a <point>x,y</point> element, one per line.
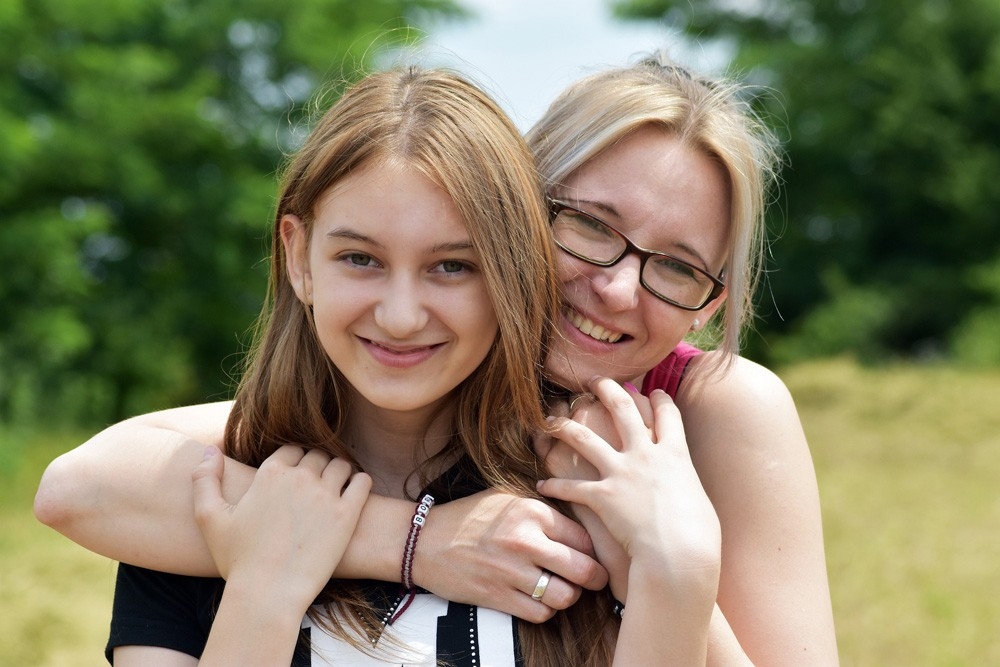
<point>605,208</point>
<point>610,210</point>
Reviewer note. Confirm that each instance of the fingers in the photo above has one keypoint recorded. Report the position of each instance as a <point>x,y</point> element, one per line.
<point>288,455</point>
<point>668,426</point>
<point>642,403</point>
<point>582,492</point>
<point>570,555</point>
<point>336,471</point>
<point>542,444</point>
<point>358,487</point>
<point>627,417</point>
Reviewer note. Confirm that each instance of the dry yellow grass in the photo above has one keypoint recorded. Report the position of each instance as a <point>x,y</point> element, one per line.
<point>908,460</point>
<point>55,597</point>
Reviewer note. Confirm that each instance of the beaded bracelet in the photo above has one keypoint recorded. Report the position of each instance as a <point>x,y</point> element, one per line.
<point>406,569</point>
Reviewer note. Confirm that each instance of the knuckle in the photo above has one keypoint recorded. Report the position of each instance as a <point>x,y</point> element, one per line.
<point>202,515</point>
<point>564,598</point>
<point>589,571</point>
<point>541,614</point>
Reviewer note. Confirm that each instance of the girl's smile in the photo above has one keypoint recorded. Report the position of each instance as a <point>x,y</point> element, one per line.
<point>398,300</point>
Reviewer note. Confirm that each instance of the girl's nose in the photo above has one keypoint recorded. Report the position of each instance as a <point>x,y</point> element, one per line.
<point>401,311</point>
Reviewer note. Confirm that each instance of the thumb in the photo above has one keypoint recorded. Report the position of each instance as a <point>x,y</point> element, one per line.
<point>207,484</point>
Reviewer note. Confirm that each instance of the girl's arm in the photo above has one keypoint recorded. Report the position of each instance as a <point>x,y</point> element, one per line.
<point>278,546</point>
<point>747,444</point>
<point>126,494</point>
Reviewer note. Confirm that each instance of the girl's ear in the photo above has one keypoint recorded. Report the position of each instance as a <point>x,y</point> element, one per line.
<point>294,237</point>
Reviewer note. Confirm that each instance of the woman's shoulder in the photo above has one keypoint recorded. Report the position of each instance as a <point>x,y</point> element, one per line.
<point>715,375</point>
<point>667,374</point>
<point>737,404</point>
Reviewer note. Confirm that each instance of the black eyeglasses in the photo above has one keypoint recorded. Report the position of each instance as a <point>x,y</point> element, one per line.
<point>677,282</point>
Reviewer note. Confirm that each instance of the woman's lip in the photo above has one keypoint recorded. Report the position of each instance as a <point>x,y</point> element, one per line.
<point>396,356</point>
<point>591,329</point>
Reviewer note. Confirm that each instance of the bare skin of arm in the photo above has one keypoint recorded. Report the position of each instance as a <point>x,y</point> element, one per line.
<point>747,444</point>
<point>126,494</point>
<point>723,649</point>
<point>748,448</point>
<point>278,546</point>
<point>647,495</point>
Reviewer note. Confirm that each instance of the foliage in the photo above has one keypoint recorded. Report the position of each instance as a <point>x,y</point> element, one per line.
<point>893,141</point>
<point>138,143</point>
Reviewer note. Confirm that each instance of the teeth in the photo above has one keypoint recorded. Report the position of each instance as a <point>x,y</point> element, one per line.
<point>595,331</point>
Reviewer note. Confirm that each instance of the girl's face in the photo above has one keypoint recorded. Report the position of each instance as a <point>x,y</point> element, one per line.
<point>664,196</point>
<point>400,305</point>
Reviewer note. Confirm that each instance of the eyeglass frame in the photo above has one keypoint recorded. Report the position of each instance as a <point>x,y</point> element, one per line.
<point>718,285</point>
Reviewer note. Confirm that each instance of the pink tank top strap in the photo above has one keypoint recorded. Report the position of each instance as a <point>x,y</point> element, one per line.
<point>667,374</point>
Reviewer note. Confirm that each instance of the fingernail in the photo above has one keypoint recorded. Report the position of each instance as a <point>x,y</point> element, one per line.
<point>630,387</point>
<point>210,452</point>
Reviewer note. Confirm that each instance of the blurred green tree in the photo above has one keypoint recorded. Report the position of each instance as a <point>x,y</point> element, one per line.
<point>888,217</point>
<point>138,145</point>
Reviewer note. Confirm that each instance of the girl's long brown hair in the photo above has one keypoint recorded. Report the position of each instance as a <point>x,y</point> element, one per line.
<point>437,123</point>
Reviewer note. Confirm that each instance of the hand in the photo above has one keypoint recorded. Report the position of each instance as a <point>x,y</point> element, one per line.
<point>496,546</point>
<point>648,494</point>
<point>562,461</point>
<point>292,525</point>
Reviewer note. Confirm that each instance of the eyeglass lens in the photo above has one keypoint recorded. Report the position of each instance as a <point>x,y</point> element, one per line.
<point>667,277</point>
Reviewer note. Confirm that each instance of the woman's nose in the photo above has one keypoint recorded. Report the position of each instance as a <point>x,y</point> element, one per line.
<point>619,285</point>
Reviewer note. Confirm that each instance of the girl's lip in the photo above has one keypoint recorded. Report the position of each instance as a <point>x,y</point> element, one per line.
<point>399,356</point>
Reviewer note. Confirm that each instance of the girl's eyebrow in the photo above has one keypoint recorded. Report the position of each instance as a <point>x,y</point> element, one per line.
<point>351,235</point>
<point>455,246</point>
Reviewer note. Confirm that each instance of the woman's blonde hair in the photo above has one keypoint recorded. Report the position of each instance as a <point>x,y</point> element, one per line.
<point>601,109</point>
<point>451,132</point>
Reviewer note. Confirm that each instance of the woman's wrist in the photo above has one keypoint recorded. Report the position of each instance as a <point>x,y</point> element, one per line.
<point>379,538</point>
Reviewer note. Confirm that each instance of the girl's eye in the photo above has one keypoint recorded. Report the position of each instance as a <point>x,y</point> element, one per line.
<point>453,266</point>
<point>359,259</point>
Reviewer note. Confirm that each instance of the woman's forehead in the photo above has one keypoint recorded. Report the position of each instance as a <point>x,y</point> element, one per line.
<point>658,190</point>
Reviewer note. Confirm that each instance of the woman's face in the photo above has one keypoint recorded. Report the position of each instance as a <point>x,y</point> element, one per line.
<point>664,196</point>
<point>400,305</point>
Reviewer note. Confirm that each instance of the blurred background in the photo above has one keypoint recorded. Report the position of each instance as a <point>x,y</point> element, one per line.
<point>139,142</point>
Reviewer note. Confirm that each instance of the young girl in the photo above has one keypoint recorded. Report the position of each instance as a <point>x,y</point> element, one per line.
<point>411,296</point>
<point>647,156</point>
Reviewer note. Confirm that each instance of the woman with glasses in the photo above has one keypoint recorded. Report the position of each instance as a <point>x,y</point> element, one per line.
<point>657,181</point>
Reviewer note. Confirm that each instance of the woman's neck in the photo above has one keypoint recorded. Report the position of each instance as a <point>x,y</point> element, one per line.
<point>391,445</point>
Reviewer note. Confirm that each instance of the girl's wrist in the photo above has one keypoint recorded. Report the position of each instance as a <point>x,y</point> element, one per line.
<point>273,597</point>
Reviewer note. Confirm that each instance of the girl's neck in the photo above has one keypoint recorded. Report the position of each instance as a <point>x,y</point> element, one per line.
<point>391,445</point>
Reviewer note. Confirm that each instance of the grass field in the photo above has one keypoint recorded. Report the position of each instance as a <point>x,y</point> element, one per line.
<point>908,461</point>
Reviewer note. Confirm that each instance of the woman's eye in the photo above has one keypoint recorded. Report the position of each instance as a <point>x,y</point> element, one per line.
<point>670,266</point>
<point>591,224</point>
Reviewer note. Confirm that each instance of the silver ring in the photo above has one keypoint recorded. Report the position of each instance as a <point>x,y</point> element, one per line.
<point>587,395</point>
<point>543,583</point>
